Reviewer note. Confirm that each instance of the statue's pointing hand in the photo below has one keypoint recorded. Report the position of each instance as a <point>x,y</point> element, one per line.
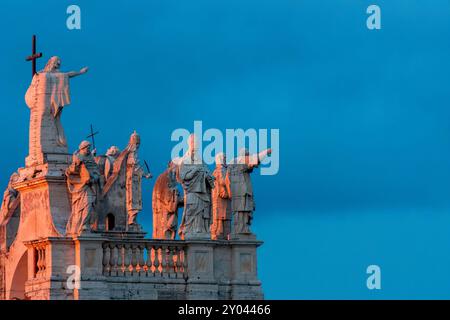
<point>72,74</point>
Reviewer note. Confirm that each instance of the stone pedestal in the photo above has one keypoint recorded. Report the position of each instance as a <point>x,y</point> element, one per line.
<point>88,258</point>
<point>201,284</point>
<point>48,269</point>
<point>45,206</point>
<point>244,279</point>
<point>44,211</point>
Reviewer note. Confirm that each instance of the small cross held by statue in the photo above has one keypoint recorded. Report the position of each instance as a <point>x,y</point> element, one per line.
<point>91,136</point>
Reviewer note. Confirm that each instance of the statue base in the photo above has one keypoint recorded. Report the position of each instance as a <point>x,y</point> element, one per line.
<point>197,236</point>
<point>243,236</point>
<point>48,158</point>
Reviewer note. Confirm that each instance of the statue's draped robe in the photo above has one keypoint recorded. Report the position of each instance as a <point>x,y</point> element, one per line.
<point>128,160</point>
<point>134,186</point>
<point>165,199</point>
<point>81,177</point>
<point>241,190</point>
<point>195,179</point>
<point>221,204</point>
<point>46,96</point>
<point>11,201</point>
<point>109,165</point>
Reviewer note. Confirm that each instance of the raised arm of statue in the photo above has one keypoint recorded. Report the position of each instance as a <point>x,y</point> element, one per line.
<point>72,74</point>
<point>264,154</point>
<point>255,159</point>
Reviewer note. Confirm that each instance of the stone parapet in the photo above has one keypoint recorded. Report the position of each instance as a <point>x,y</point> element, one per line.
<point>100,267</point>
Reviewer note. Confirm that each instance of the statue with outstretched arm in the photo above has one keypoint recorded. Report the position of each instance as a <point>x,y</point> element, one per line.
<point>47,95</point>
<point>241,190</point>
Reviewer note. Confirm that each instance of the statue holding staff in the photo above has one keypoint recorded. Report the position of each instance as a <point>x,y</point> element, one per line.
<point>83,181</point>
<point>197,183</point>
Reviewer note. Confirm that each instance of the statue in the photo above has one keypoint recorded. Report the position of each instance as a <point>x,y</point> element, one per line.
<point>221,202</point>
<point>111,155</point>
<point>125,181</point>
<point>46,97</point>
<point>240,188</point>
<point>134,182</point>
<point>165,202</point>
<point>197,183</point>
<point>11,198</point>
<point>83,181</point>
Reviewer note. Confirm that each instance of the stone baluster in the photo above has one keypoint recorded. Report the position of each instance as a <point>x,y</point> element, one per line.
<point>163,260</point>
<point>141,261</point>
<point>120,267</point>
<point>43,262</point>
<point>148,262</point>
<point>127,259</point>
<point>185,265</point>
<point>179,265</point>
<point>170,264</point>
<point>38,262</point>
<point>105,261</point>
<point>133,259</point>
<point>156,260</point>
<point>113,260</point>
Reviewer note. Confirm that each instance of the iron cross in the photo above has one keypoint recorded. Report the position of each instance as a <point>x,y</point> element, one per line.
<point>92,136</point>
<point>34,56</point>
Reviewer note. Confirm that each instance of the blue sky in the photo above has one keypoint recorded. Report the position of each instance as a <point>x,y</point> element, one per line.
<point>363,116</point>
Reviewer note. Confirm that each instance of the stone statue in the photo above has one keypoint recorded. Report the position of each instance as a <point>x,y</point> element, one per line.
<point>46,97</point>
<point>83,181</point>
<point>10,198</point>
<point>111,155</point>
<point>221,201</point>
<point>134,182</point>
<point>166,200</point>
<point>240,188</point>
<point>197,183</point>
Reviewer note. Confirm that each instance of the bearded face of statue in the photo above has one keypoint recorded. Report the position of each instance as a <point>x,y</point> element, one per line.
<point>85,148</point>
<point>86,151</point>
<point>53,64</point>
<point>57,64</point>
<point>113,151</point>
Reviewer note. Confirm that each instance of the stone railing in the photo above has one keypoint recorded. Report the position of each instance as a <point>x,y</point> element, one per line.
<point>38,259</point>
<point>119,266</point>
<point>144,258</point>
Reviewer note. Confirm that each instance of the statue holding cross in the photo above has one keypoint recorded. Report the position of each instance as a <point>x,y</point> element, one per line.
<point>46,97</point>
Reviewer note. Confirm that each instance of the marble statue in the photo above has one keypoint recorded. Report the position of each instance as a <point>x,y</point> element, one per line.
<point>240,188</point>
<point>197,183</point>
<point>10,198</point>
<point>46,97</point>
<point>135,172</point>
<point>166,200</point>
<point>111,155</point>
<point>83,181</point>
<point>221,201</point>
<point>126,175</point>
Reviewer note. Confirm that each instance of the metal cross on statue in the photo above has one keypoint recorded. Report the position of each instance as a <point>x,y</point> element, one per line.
<point>92,136</point>
<point>34,56</point>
